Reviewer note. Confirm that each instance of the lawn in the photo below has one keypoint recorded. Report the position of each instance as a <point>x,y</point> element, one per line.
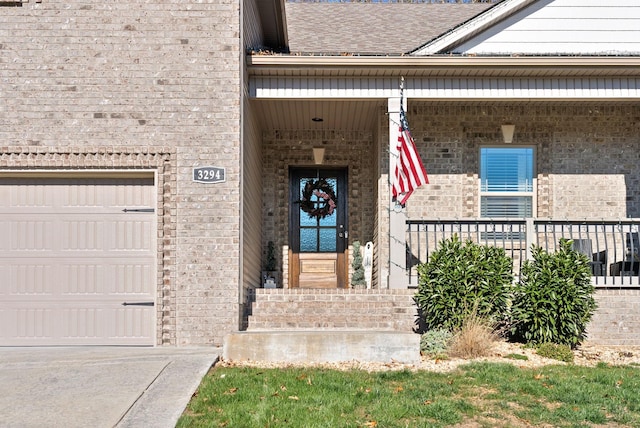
<point>474,395</point>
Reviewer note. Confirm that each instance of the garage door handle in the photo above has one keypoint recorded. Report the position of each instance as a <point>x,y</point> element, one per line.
<point>138,304</point>
<point>138,210</point>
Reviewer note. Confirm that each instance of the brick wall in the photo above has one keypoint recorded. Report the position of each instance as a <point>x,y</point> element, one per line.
<point>587,158</point>
<point>104,84</point>
<point>617,319</point>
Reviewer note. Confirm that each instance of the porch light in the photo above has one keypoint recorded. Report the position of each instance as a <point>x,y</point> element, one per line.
<point>318,155</point>
<point>507,132</point>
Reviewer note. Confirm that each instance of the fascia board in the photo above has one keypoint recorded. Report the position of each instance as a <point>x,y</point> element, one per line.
<point>376,65</point>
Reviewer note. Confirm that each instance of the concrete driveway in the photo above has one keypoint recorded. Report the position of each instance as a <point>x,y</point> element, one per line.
<point>99,386</point>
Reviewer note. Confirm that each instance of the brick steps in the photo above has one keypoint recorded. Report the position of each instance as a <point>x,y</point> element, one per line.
<point>339,309</point>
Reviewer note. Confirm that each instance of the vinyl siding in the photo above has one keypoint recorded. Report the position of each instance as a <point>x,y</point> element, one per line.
<point>251,25</point>
<point>549,27</point>
<point>447,88</point>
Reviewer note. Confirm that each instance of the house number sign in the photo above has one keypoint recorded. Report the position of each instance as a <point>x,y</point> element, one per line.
<point>209,174</point>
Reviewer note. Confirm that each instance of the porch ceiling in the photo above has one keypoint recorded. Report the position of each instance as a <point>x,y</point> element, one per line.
<point>336,115</point>
<point>359,115</point>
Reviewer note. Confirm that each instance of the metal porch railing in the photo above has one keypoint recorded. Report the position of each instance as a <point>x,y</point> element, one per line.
<point>612,246</point>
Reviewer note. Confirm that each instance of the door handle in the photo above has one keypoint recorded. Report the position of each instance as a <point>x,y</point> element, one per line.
<point>343,233</point>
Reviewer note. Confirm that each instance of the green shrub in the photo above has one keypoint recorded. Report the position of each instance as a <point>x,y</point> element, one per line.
<point>553,301</point>
<point>461,278</point>
<point>435,342</point>
<point>555,351</point>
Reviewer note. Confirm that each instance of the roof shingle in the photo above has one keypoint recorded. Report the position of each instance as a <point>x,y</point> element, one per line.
<point>371,28</point>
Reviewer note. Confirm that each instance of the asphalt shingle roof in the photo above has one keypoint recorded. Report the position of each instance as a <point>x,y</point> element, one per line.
<point>371,28</point>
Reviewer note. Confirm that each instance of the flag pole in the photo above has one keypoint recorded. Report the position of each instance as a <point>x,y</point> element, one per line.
<point>398,206</point>
<point>396,275</point>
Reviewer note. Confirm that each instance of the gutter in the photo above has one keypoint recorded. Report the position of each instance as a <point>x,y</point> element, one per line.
<point>426,65</point>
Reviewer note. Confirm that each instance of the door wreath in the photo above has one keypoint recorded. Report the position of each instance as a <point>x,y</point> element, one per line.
<point>326,203</point>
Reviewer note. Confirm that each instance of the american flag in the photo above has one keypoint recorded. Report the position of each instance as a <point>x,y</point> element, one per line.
<point>409,173</point>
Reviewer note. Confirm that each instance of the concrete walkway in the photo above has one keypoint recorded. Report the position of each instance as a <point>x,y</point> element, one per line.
<point>99,386</point>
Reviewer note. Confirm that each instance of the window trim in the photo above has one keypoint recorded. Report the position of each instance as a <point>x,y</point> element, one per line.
<point>534,185</point>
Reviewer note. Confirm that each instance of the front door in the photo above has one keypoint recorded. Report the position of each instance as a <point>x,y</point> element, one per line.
<point>318,228</point>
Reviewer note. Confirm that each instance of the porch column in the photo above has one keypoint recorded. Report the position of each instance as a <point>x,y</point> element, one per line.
<point>397,217</point>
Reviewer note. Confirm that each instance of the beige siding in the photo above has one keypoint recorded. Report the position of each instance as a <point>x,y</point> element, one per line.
<point>252,189</point>
<point>252,31</point>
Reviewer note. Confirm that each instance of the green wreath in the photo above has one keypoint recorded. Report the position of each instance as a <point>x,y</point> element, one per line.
<point>324,192</point>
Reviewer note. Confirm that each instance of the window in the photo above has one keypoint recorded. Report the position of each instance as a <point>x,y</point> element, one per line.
<point>506,182</point>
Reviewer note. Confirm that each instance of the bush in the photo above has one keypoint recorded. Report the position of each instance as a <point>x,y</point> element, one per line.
<point>435,342</point>
<point>476,338</point>
<point>556,352</point>
<point>460,278</point>
<point>553,301</point>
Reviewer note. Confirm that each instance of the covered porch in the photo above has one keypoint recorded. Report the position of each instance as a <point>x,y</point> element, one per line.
<point>580,122</point>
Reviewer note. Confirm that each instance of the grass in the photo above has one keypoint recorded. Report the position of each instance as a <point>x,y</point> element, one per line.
<point>476,395</point>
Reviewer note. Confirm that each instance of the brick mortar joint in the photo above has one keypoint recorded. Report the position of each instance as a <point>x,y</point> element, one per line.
<point>79,150</point>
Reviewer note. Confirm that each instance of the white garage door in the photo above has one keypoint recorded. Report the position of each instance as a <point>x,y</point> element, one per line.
<point>77,260</point>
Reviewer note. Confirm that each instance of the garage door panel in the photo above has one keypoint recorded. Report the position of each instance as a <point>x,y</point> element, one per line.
<point>129,278</point>
<point>82,279</point>
<point>131,322</point>
<point>77,326</point>
<point>29,193</point>
<point>31,323</point>
<point>132,195</point>
<point>120,277</point>
<point>77,323</point>
<point>74,257</point>
<point>82,235</point>
<point>30,279</point>
<point>5,232</point>
<point>32,234</point>
<point>82,323</point>
<point>132,235</point>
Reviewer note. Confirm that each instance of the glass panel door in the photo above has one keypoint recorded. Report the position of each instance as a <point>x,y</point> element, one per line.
<point>318,229</point>
<point>318,215</point>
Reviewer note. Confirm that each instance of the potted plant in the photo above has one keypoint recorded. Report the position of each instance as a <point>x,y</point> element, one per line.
<point>270,275</point>
<point>357,278</point>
